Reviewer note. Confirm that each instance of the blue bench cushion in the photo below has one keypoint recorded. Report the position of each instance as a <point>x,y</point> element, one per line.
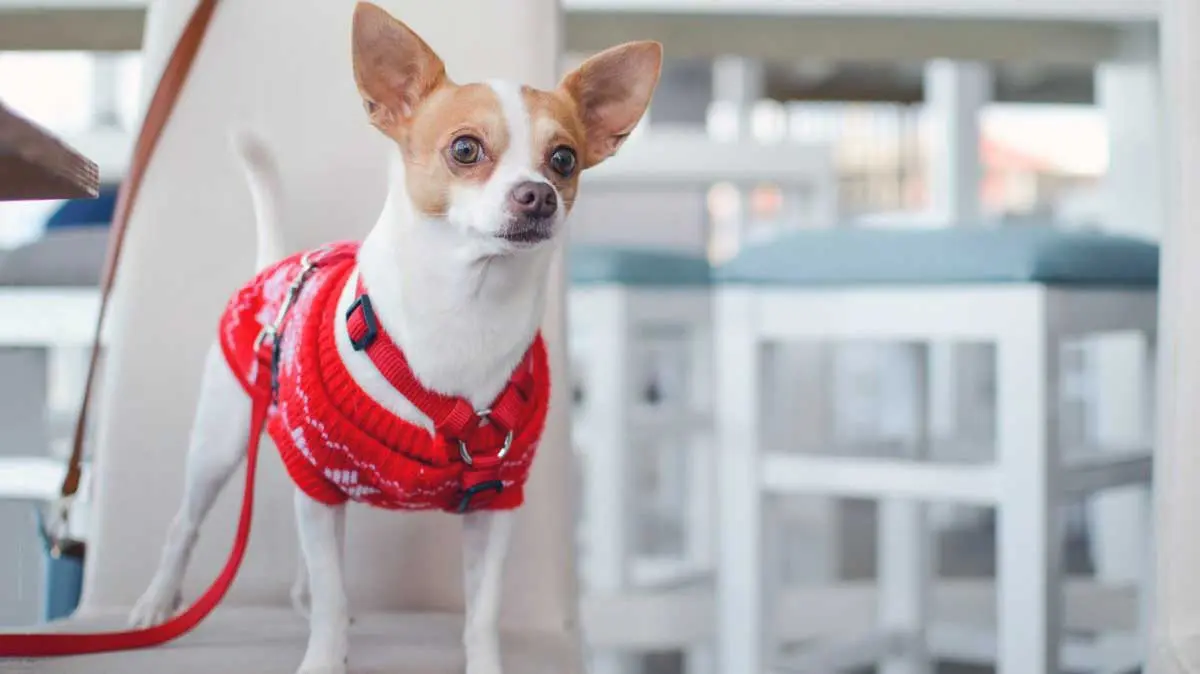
<point>595,265</point>
<point>954,255</point>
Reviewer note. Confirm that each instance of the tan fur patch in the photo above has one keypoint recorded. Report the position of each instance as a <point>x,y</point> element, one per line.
<point>554,122</point>
<point>393,67</point>
<point>449,113</point>
<point>409,98</point>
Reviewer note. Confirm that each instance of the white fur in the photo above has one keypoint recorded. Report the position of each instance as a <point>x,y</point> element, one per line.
<point>262,176</point>
<point>464,305</point>
<point>484,209</point>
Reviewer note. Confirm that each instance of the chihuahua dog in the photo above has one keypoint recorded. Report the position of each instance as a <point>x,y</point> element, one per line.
<point>483,176</point>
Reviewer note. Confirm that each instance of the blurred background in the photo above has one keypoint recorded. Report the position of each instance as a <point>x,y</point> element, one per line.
<point>771,122</point>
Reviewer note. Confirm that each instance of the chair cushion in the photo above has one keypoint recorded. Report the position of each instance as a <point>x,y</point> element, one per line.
<point>593,265</point>
<point>956,255</point>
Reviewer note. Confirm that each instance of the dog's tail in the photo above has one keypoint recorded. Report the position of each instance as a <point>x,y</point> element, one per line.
<point>262,174</point>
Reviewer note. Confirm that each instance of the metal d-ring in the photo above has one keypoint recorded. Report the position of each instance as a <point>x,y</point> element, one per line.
<point>466,455</point>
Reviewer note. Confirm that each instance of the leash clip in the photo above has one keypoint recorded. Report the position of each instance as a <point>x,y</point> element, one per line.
<point>272,330</point>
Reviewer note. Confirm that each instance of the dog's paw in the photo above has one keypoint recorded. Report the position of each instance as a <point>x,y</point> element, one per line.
<point>483,653</point>
<point>325,657</point>
<point>155,607</point>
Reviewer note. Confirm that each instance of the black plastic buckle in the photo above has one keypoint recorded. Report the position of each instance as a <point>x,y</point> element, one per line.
<point>364,302</point>
<point>491,485</point>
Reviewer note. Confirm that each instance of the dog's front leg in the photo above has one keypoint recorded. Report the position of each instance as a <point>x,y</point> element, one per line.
<point>485,546</point>
<point>218,445</point>
<point>319,526</point>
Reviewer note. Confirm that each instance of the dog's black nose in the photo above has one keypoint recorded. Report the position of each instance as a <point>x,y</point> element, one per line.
<point>533,199</point>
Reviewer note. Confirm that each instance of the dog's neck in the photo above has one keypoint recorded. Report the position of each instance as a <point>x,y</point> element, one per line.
<point>463,315</point>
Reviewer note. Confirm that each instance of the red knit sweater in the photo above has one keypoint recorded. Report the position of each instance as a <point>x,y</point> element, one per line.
<point>336,441</point>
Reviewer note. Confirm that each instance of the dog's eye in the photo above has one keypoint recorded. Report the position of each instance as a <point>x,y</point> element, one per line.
<point>562,160</point>
<point>466,150</point>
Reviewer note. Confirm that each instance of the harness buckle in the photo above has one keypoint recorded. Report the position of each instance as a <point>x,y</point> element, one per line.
<point>363,302</point>
<point>491,485</point>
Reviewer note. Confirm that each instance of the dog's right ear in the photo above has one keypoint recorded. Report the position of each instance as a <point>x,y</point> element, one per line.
<point>612,91</point>
<point>394,69</point>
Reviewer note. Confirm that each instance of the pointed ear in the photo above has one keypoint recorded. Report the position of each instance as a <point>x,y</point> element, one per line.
<point>612,91</point>
<point>394,69</point>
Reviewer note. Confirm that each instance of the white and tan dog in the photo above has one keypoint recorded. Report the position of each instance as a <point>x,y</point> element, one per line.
<point>483,178</point>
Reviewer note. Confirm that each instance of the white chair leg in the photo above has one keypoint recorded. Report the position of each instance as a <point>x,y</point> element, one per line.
<point>1119,518</point>
<point>702,495</point>
<point>740,605</point>
<point>1029,541</point>
<point>700,659</point>
<point>701,501</point>
<point>1116,529</point>
<point>905,569</point>
<point>610,513</point>
<point>1146,577</point>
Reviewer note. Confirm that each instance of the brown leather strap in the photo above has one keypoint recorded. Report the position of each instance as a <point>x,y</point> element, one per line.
<point>157,114</point>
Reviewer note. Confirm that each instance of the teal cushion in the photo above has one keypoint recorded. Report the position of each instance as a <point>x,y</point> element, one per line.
<point>595,265</point>
<point>954,255</point>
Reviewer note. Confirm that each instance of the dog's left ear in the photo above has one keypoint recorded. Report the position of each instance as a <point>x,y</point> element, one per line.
<point>394,68</point>
<point>612,91</point>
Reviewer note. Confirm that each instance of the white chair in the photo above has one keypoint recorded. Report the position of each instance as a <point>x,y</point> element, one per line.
<point>641,357</point>
<point>666,177</point>
<point>188,247</point>
<point>1024,290</point>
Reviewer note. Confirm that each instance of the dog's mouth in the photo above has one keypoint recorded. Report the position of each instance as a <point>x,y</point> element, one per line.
<point>528,232</point>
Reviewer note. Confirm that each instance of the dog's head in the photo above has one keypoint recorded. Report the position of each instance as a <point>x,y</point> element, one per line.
<point>498,162</point>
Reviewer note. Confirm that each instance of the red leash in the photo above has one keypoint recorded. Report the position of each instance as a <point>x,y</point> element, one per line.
<point>59,644</point>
